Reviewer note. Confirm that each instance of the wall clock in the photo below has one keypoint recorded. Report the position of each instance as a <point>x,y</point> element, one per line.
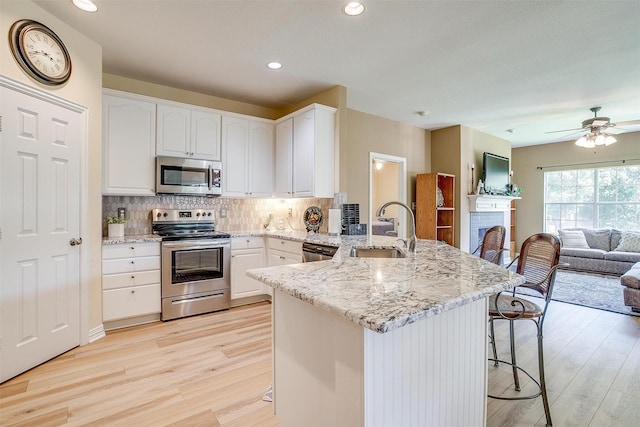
<point>40,52</point>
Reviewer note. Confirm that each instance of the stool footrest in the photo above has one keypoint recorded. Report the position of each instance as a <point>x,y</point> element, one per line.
<point>536,382</point>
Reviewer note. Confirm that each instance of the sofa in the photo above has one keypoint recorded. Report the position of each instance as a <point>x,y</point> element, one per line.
<point>631,281</point>
<point>604,251</point>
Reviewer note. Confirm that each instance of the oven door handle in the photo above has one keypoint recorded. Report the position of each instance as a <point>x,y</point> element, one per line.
<point>182,246</point>
<point>187,300</point>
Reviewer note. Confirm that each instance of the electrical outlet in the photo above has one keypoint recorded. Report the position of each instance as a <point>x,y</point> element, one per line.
<point>290,212</point>
<point>223,213</point>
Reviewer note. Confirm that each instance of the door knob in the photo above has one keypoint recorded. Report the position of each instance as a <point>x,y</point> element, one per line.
<point>75,242</point>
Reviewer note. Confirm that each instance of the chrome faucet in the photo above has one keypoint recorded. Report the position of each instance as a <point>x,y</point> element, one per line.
<point>412,238</point>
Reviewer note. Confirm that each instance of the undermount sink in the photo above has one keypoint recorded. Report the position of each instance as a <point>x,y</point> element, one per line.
<point>368,252</point>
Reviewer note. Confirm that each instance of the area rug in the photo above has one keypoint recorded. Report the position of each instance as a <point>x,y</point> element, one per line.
<point>590,290</point>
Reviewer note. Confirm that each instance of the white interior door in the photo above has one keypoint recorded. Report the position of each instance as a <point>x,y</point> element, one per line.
<point>39,216</point>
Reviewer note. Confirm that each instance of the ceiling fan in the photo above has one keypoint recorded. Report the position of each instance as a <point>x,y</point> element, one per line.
<point>595,128</point>
<point>596,123</point>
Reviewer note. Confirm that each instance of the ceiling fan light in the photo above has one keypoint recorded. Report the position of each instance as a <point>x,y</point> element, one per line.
<point>582,141</point>
<point>608,140</point>
<point>600,139</point>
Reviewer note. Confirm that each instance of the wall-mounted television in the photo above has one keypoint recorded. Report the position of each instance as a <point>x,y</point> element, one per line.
<point>495,173</point>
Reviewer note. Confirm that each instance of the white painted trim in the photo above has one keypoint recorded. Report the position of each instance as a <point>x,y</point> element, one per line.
<point>96,333</point>
<point>402,187</point>
<point>38,94</point>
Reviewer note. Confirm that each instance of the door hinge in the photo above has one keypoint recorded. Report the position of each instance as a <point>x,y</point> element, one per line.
<point>0,123</point>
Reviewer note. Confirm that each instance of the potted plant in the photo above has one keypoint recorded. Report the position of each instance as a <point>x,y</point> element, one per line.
<point>115,226</point>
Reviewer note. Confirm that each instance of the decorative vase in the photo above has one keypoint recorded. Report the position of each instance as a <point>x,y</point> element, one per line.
<point>116,230</point>
<point>439,198</point>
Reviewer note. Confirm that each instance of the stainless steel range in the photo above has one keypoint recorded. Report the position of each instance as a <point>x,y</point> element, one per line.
<point>195,262</point>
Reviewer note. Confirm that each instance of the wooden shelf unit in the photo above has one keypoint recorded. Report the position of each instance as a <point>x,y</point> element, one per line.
<point>433,222</point>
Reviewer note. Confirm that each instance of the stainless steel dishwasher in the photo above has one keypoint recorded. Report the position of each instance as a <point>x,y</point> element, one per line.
<point>315,252</point>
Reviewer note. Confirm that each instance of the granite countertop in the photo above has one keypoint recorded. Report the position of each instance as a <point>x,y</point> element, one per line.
<point>133,238</point>
<point>383,294</point>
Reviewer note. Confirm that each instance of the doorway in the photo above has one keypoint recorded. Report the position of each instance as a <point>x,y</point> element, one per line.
<point>387,182</point>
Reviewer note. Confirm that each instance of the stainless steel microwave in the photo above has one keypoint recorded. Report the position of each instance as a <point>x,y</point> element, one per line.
<point>194,177</point>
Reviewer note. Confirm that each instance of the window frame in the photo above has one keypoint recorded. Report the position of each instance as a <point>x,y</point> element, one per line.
<point>558,213</point>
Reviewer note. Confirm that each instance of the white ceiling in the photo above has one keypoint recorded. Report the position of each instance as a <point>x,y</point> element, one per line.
<point>530,66</point>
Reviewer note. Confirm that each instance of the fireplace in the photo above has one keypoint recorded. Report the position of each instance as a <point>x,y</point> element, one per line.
<point>480,223</point>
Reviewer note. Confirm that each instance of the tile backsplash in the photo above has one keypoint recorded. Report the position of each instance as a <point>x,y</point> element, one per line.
<point>241,214</point>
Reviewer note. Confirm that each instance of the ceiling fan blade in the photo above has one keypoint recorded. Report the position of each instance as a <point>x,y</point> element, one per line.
<point>628,123</point>
<point>614,130</point>
<point>565,130</point>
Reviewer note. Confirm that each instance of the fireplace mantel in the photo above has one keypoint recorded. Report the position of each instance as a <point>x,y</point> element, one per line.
<point>489,202</point>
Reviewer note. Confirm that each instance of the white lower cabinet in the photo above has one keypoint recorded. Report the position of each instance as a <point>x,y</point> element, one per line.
<point>283,252</point>
<point>246,253</point>
<point>130,281</point>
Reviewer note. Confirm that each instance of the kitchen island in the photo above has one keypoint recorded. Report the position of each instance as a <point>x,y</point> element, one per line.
<point>382,341</point>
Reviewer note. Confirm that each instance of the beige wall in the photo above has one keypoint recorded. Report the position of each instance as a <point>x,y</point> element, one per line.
<point>84,88</point>
<point>188,97</point>
<point>454,150</point>
<point>561,155</point>
<point>366,133</point>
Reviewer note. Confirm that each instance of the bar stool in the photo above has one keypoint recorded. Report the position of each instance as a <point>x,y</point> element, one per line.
<point>492,245</point>
<point>537,262</point>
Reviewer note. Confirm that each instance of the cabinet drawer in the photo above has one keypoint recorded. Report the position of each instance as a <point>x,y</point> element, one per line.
<point>247,243</point>
<point>285,245</point>
<point>130,265</point>
<point>129,302</point>
<point>131,250</point>
<point>115,281</point>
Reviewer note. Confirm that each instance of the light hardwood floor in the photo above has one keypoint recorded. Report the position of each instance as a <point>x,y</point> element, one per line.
<point>212,370</point>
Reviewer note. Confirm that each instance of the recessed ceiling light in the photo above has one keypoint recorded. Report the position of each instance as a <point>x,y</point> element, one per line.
<point>86,5</point>
<point>274,65</point>
<point>354,8</point>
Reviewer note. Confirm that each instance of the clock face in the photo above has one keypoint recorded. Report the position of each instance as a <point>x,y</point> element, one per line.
<point>44,53</point>
<point>40,52</point>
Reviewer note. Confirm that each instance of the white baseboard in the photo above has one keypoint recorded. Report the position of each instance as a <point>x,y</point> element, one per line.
<point>96,333</point>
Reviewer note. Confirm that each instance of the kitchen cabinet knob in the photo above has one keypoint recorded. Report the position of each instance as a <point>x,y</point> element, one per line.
<point>191,154</point>
<point>248,240</point>
<point>133,248</point>
<point>133,292</point>
<point>282,257</point>
<point>133,277</point>
<point>133,262</point>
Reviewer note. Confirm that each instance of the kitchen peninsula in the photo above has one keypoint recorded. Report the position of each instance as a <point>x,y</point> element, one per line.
<point>383,341</point>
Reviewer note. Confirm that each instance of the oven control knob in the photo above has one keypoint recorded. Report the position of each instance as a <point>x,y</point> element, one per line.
<point>197,213</point>
<point>209,214</point>
<point>158,215</point>
<point>165,214</point>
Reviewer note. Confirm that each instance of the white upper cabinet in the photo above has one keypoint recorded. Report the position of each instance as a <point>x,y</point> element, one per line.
<point>128,144</point>
<point>261,152</point>
<point>184,131</point>
<point>305,144</point>
<point>248,151</point>
<point>284,159</point>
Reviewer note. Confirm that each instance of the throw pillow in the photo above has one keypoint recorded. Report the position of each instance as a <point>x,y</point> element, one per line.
<point>629,242</point>
<point>573,239</point>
